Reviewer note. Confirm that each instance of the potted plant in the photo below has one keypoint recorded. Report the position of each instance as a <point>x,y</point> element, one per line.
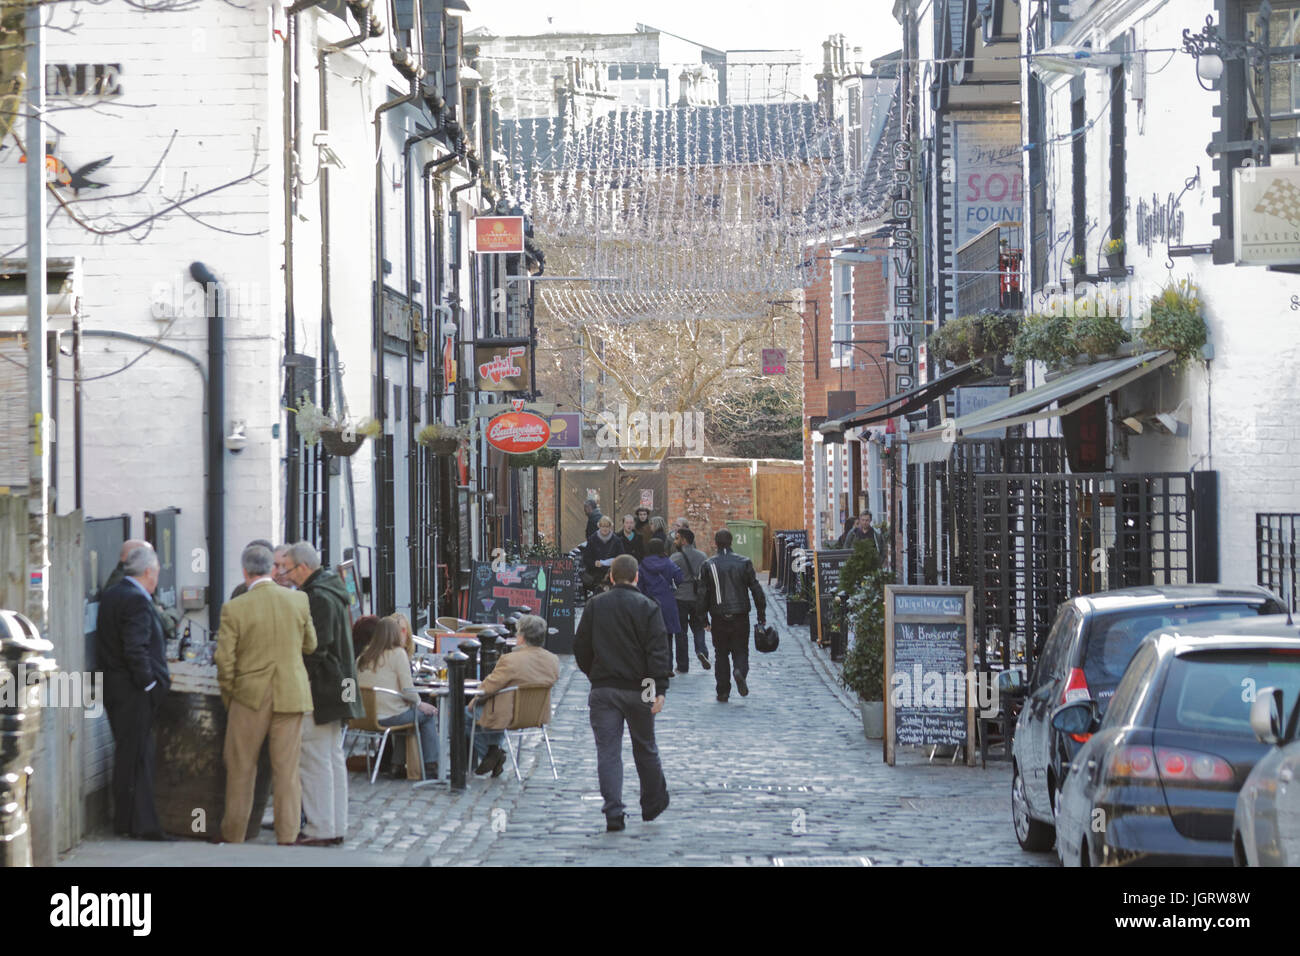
<point>1078,266</point>
<point>1177,321</point>
<point>864,664</point>
<point>961,340</point>
<point>443,439</point>
<point>1098,335</point>
<point>338,436</point>
<point>1046,338</point>
<point>1114,250</point>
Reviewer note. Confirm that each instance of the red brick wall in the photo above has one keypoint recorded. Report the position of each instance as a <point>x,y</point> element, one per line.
<point>546,503</point>
<point>708,492</point>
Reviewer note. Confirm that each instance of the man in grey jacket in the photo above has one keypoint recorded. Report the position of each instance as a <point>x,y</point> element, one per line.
<point>726,582</point>
<point>690,559</point>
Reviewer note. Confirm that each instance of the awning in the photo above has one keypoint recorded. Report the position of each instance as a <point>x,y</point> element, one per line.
<point>1069,393</point>
<point>905,402</point>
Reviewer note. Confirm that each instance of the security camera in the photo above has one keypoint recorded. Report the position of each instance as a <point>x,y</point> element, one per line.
<point>236,441</point>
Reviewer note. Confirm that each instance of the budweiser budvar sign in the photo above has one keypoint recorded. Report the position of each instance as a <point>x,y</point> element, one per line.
<point>518,433</point>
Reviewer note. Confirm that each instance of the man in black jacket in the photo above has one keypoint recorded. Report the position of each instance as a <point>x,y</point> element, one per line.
<point>132,654</point>
<point>726,582</point>
<point>622,647</point>
<point>593,515</point>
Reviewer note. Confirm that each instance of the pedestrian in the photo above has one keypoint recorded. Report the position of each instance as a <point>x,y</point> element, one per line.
<point>241,587</point>
<point>845,540</point>
<point>728,579</point>
<point>529,663</point>
<point>690,559</point>
<point>384,663</point>
<point>678,525</point>
<point>632,543</point>
<point>641,526</point>
<point>593,516</point>
<point>168,617</point>
<point>264,634</point>
<point>403,625</point>
<point>658,529</point>
<point>601,550</point>
<point>659,579</point>
<point>621,647</point>
<point>332,669</point>
<point>132,656</point>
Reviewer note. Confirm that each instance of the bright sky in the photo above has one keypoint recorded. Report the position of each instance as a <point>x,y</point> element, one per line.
<point>722,24</point>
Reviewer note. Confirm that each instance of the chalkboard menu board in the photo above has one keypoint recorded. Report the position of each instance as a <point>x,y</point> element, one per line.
<point>828,565</point>
<point>928,663</point>
<point>510,589</point>
<point>561,608</point>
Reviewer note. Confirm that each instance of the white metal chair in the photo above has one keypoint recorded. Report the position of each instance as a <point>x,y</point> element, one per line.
<point>531,711</point>
<point>369,729</point>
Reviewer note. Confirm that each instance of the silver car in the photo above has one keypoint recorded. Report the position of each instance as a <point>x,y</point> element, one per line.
<point>1266,824</point>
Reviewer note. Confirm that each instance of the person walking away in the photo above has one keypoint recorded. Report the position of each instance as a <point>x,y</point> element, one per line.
<point>727,580</point>
<point>621,647</point>
<point>601,550</point>
<point>593,515</point>
<point>129,638</point>
<point>690,559</point>
<point>659,579</point>
<point>384,664</point>
<point>264,634</point>
<point>332,670</point>
<point>529,663</point>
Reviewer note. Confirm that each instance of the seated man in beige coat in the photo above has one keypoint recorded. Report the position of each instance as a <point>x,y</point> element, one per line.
<point>264,634</point>
<point>529,663</point>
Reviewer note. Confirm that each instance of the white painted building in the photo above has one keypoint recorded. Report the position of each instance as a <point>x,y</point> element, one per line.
<point>1172,204</point>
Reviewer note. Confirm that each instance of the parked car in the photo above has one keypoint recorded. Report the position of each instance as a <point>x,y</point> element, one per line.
<point>1157,781</point>
<point>1083,656</point>
<point>1266,824</point>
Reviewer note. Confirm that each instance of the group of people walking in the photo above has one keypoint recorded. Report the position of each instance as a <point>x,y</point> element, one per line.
<point>645,601</point>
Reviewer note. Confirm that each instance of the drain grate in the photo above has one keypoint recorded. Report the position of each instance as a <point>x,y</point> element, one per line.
<point>820,861</point>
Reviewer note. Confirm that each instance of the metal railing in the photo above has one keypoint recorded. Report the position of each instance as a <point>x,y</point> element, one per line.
<point>1275,553</point>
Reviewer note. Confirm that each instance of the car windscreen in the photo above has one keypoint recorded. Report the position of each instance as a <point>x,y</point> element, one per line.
<point>1211,692</point>
<point>1113,638</point>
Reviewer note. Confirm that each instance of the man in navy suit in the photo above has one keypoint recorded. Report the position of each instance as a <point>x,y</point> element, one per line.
<point>132,656</point>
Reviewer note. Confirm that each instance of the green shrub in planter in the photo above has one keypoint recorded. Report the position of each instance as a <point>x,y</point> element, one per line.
<point>1177,321</point>
<point>1098,334</point>
<point>1044,338</point>
<point>864,665</point>
<point>989,332</point>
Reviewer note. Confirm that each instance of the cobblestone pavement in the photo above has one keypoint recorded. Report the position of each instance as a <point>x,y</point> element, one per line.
<point>784,775</point>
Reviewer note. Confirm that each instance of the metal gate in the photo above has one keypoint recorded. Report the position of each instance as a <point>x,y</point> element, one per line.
<point>1041,539</point>
<point>641,485</point>
<point>577,482</point>
<point>1275,554</point>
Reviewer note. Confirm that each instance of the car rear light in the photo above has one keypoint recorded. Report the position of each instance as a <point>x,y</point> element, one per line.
<point>1192,767</point>
<point>1132,763</point>
<point>1076,688</point>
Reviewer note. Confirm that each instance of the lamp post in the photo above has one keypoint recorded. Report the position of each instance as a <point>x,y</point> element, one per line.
<point>1210,49</point>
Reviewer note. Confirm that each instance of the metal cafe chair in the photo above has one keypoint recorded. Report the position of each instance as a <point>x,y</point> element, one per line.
<point>369,729</point>
<point>531,712</point>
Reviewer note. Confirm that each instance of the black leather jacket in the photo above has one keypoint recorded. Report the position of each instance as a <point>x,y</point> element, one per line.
<point>725,593</point>
<point>621,641</point>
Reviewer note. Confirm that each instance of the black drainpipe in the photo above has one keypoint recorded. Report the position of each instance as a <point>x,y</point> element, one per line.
<point>216,439</point>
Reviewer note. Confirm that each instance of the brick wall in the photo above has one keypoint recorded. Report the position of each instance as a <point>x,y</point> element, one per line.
<point>546,503</point>
<point>709,492</point>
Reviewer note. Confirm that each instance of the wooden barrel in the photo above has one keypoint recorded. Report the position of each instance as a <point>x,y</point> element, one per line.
<point>190,775</point>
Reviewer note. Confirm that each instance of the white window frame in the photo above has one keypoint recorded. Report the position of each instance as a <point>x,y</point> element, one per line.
<point>842,313</point>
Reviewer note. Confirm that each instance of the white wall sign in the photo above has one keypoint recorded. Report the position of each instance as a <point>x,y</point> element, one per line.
<point>1266,215</point>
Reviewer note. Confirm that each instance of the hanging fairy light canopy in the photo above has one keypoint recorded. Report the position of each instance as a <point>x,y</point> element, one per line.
<point>691,210</point>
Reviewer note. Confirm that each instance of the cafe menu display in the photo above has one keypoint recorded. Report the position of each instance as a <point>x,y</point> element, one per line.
<point>928,659</point>
<point>509,589</point>
<point>828,565</point>
<point>563,575</point>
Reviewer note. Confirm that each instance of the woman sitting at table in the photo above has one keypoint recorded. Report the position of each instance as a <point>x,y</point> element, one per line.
<point>384,664</point>
<point>408,642</point>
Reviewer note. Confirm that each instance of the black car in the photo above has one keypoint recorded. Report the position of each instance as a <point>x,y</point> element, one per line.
<point>1157,781</point>
<point>1082,658</point>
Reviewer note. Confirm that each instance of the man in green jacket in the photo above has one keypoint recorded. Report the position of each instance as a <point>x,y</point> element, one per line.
<point>332,669</point>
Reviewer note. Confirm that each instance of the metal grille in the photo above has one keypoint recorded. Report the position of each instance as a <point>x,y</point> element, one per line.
<point>312,483</point>
<point>1041,539</point>
<point>1275,554</point>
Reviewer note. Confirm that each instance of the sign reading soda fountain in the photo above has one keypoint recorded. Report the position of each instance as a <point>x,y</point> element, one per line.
<point>518,433</point>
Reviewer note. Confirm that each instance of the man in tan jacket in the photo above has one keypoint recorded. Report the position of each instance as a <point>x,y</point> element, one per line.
<point>264,634</point>
<point>528,663</point>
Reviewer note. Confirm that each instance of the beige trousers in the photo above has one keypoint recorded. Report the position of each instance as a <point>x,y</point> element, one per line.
<point>324,779</point>
<point>245,730</point>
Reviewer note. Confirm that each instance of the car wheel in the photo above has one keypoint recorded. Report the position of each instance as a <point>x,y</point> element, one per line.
<point>1031,834</point>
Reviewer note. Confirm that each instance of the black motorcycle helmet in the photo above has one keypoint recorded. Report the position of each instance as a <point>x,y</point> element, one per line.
<point>765,638</point>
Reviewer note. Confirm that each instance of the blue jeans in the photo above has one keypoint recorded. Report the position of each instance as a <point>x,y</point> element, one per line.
<point>483,739</point>
<point>428,725</point>
<point>687,614</point>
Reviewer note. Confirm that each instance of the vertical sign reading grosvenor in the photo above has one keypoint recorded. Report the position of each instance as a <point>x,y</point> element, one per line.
<point>904,246</point>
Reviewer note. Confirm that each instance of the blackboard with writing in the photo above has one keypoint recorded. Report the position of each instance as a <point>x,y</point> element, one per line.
<point>828,566</point>
<point>561,608</point>
<point>929,697</point>
<point>511,589</point>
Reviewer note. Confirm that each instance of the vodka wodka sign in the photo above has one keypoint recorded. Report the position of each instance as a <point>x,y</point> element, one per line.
<point>518,432</point>
<point>502,366</point>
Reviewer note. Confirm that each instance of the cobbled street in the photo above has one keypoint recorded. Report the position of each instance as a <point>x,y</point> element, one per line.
<point>783,775</point>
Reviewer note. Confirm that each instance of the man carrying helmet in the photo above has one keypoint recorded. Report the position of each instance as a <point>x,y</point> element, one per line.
<point>726,582</point>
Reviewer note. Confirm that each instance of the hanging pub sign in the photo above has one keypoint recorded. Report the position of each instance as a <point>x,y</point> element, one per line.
<point>1266,215</point>
<point>773,361</point>
<point>566,430</point>
<point>499,234</point>
<point>502,367</point>
<point>518,433</point>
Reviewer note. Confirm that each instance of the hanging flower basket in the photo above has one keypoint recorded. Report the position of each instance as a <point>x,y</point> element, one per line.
<point>442,440</point>
<point>443,447</point>
<point>336,444</point>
